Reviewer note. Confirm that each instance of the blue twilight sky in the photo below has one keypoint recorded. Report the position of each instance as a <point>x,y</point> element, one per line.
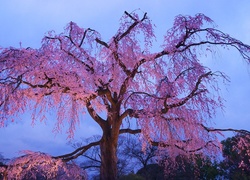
<point>27,21</point>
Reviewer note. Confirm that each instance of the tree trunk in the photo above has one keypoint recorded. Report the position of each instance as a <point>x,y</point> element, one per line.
<point>108,148</point>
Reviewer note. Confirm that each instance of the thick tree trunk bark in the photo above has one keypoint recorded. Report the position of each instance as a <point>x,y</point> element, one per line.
<point>108,148</point>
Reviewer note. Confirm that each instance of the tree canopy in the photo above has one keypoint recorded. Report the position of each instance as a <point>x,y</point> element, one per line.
<point>169,93</point>
<point>35,165</point>
<point>236,153</point>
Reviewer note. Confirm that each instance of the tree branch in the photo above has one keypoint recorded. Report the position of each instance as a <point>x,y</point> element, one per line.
<point>91,166</point>
<point>94,115</point>
<point>118,38</point>
<point>87,66</point>
<point>224,39</point>
<point>101,42</point>
<point>78,152</point>
<point>162,144</point>
<point>130,131</point>
<point>131,113</point>
<point>160,54</point>
<point>84,35</point>
<point>193,93</point>
<point>242,131</point>
<point>108,94</point>
<point>92,159</point>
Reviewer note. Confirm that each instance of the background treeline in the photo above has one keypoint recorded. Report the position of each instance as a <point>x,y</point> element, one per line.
<point>135,164</point>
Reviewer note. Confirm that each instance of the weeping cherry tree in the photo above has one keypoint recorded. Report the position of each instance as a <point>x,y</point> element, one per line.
<point>169,93</point>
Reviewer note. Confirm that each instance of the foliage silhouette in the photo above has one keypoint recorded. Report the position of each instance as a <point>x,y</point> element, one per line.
<point>236,153</point>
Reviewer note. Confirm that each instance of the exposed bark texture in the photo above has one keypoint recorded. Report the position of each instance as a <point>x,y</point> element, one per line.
<point>108,147</point>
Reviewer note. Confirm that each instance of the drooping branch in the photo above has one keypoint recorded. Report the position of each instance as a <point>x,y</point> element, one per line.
<point>196,91</point>
<point>119,37</point>
<point>143,93</point>
<point>131,27</point>
<point>87,66</point>
<point>49,84</point>
<point>193,93</point>
<point>183,72</point>
<point>78,152</point>
<point>199,148</point>
<point>165,145</point>
<point>217,37</point>
<point>241,131</point>
<point>162,144</point>
<point>84,35</point>
<point>160,54</point>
